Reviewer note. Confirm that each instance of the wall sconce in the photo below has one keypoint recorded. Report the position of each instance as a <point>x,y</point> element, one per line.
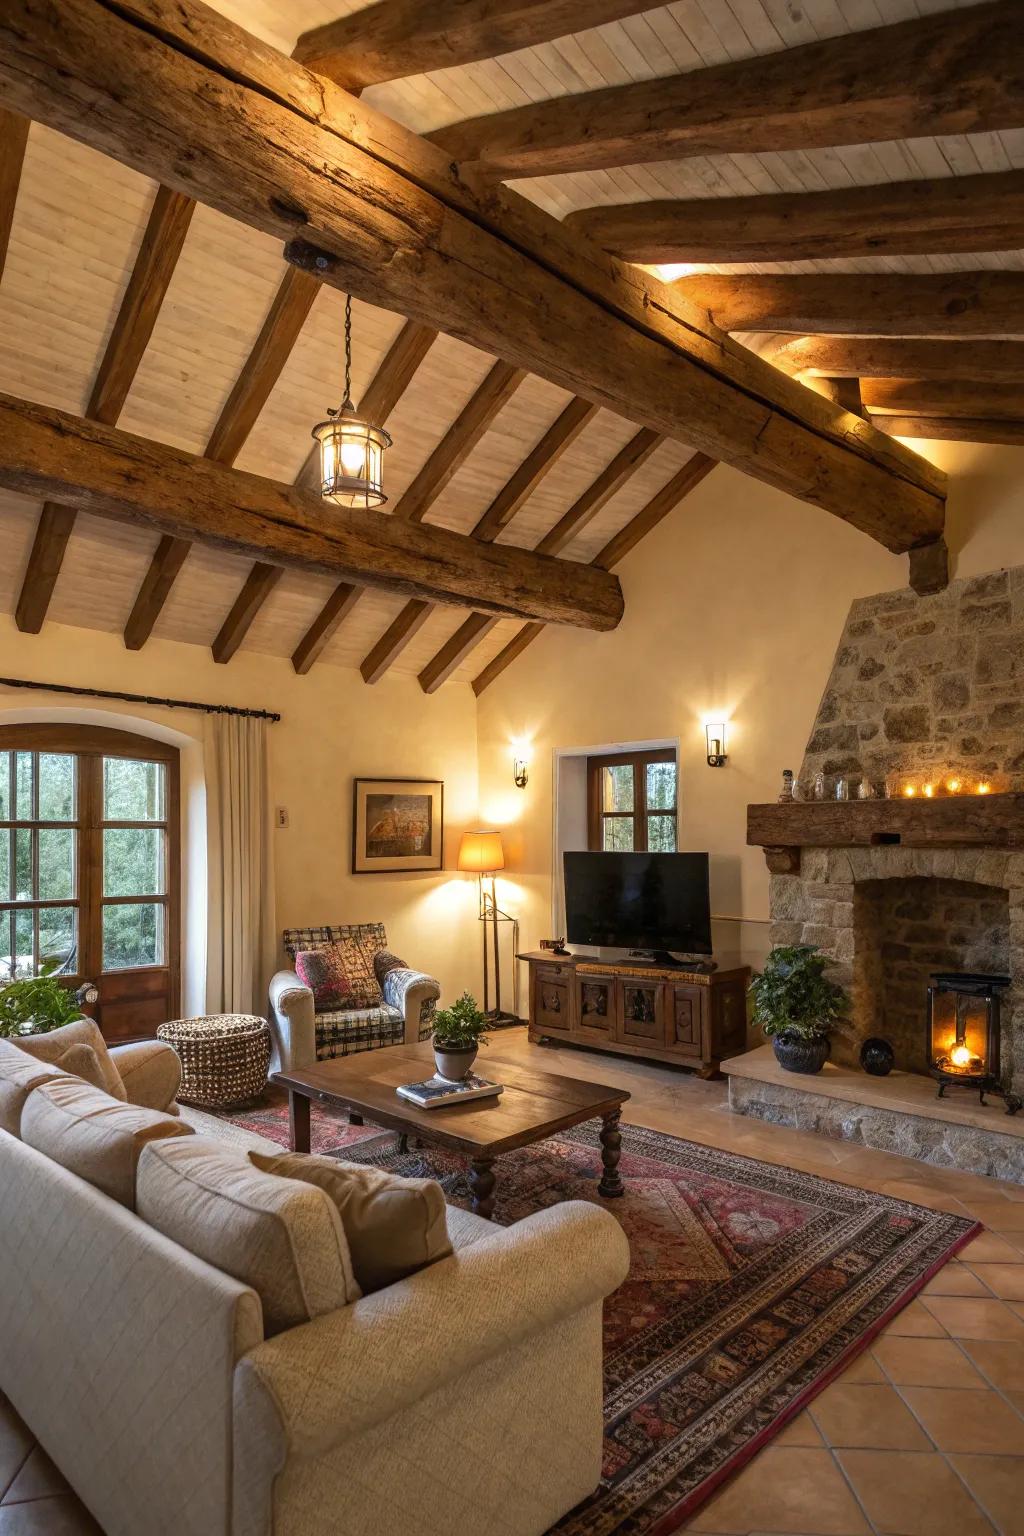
<point>520,772</point>
<point>715,734</point>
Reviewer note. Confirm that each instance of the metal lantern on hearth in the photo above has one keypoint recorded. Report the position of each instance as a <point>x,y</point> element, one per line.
<point>351,448</point>
<point>963,1032</point>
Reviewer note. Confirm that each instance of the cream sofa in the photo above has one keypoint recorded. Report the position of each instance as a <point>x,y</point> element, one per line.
<point>464,1400</point>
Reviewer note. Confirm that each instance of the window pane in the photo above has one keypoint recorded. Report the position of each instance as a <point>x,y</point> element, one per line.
<point>5,803</point>
<point>132,936</point>
<point>132,791</point>
<point>23,776</point>
<point>618,834</point>
<point>617,788</point>
<point>133,859</point>
<point>57,945</point>
<point>56,863</point>
<point>23,962</point>
<point>23,865</point>
<point>661,834</point>
<point>661,787</point>
<point>5,884</point>
<point>56,786</point>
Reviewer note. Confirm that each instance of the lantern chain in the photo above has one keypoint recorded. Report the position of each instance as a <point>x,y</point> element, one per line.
<point>348,352</point>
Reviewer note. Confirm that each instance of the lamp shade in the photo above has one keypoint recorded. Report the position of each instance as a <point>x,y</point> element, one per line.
<point>481,852</point>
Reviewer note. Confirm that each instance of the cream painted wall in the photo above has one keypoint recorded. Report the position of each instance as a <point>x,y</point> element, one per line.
<point>734,606</point>
<point>333,728</point>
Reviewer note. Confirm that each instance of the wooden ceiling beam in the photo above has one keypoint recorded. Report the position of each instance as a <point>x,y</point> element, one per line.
<point>618,547</point>
<point>259,584</point>
<point>542,458</point>
<point>583,510</point>
<point>844,392</point>
<point>395,38</point>
<point>153,269</point>
<point>13,139</point>
<point>287,152</point>
<point>168,558</point>
<point>383,393</point>
<point>931,397</point>
<point>961,429</point>
<point>47,452</point>
<point>947,304</point>
<point>897,218</point>
<point>884,357</point>
<point>958,72</point>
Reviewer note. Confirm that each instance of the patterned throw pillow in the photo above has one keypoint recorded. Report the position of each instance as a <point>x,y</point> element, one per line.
<point>339,976</point>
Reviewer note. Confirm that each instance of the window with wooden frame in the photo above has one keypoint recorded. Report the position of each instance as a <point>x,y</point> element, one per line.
<point>90,867</point>
<point>631,802</point>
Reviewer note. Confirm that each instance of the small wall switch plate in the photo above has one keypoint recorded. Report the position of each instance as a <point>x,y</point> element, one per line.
<point>280,816</point>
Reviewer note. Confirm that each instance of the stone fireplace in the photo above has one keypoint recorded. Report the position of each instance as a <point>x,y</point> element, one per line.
<point>925,700</point>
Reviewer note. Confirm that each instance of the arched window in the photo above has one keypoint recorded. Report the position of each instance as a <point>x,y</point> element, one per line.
<point>90,867</point>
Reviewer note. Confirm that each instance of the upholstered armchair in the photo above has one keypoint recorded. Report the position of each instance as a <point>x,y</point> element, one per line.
<point>303,1036</point>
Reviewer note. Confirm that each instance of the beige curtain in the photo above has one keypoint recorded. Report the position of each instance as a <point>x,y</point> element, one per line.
<point>242,939</point>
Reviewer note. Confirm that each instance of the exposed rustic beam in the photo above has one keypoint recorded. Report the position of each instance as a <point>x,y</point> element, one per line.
<point>961,429</point>
<point>520,486</point>
<point>51,540</point>
<point>586,507</point>
<point>259,584</point>
<point>383,393</point>
<point>897,218</point>
<point>958,72</point>
<point>844,392</point>
<point>929,567</point>
<point>49,453</point>
<point>289,153</point>
<point>863,304</point>
<point>618,547</point>
<point>407,37</point>
<point>168,559</point>
<point>13,138</point>
<point>923,397</point>
<point>154,266</point>
<point>883,357</point>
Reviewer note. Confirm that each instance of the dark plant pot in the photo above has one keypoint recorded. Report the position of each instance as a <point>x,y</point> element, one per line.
<point>454,1065</point>
<point>877,1057</point>
<point>797,1053</point>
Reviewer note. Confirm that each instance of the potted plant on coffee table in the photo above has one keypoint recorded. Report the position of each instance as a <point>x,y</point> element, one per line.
<point>458,1033</point>
<point>797,1006</point>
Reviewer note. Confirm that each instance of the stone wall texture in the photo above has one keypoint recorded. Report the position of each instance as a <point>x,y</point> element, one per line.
<point>928,688</point>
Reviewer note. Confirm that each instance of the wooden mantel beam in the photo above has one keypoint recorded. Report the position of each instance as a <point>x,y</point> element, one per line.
<point>407,37</point>
<point>885,357</point>
<point>945,304</point>
<point>49,453</point>
<point>957,72</point>
<point>184,95</point>
<point>897,218</point>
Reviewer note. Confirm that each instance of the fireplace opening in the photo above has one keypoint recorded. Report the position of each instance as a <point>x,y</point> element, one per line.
<point>908,931</point>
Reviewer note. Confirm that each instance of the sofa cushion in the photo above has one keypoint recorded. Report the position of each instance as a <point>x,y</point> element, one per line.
<point>394,1226</point>
<point>323,972</point>
<point>282,1238</point>
<point>93,1135</point>
<point>355,950</point>
<point>52,1045</point>
<point>344,1032</point>
<point>19,1074</point>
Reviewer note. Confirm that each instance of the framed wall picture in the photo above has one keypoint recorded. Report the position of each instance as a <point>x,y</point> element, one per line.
<point>397,824</point>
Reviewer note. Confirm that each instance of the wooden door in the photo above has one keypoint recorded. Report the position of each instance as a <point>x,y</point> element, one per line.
<point>687,1006</point>
<point>551,1010</point>
<point>641,1012</point>
<point>90,868</point>
<point>596,1008</point>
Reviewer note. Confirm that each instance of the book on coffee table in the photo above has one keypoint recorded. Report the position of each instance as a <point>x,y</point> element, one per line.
<point>437,1091</point>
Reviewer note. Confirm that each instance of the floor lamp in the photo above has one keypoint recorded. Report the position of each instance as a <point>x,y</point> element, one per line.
<point>481,854</point>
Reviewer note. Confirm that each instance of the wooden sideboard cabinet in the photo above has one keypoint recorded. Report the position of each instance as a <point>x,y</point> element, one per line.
<point>639,1009</point>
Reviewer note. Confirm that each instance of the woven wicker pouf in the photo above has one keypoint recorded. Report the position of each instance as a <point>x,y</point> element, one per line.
<point>225,1057</point>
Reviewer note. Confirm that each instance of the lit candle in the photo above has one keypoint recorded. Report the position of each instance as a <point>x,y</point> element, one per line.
<point>984,789</point>
<point>929,791</point>
<point>909,791</point>
<point>953,785</point>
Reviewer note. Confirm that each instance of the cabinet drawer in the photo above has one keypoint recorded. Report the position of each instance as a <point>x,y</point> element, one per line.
<point>596,1007</point>
<point>686,1025</point>
<point>641,1009</point>
<point>552,1000</point>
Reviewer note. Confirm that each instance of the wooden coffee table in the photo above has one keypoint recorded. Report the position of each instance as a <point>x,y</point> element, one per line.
<point>533,1105</point>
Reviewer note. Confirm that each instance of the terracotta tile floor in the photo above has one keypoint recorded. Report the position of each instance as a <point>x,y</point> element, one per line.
<point>923,1435</point>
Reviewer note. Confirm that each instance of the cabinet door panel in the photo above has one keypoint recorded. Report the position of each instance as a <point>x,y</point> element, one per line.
<point>596,1007</point>
<point>552,1001</point>
<point>686,1023</point>
<point>641,1012</point>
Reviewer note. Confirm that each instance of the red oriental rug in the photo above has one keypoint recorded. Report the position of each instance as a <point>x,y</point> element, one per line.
<point>752,1286</point>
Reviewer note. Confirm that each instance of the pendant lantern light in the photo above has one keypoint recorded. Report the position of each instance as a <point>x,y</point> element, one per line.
<point>351,449</point>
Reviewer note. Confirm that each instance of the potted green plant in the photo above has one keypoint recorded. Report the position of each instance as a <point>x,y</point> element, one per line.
<point>34,1005</point>
<point>797,1006</point>
<point>459,1031</point>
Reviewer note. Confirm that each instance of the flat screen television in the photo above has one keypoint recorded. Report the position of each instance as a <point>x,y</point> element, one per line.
<point>652,901</point>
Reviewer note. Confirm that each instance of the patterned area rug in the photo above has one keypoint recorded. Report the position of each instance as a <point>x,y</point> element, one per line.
<point>751,1287</point>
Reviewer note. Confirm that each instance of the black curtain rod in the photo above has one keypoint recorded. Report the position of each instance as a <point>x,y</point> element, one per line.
<point>139,698</point>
